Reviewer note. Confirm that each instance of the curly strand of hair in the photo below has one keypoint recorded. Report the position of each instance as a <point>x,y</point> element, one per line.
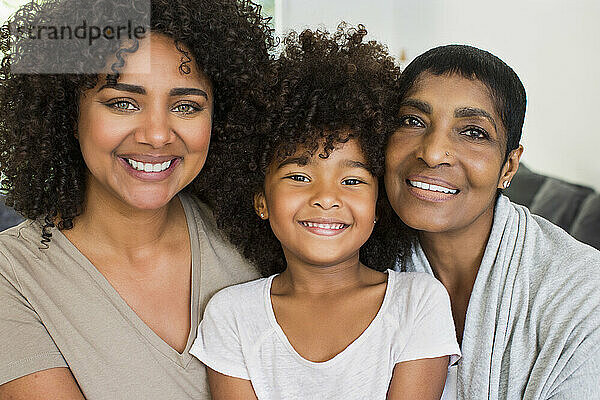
<point>111,79</point>
<point>184,67</point>
<point>46,234</point>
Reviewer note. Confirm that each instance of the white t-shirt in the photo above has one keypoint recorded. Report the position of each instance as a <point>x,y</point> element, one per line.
<point>451,383</point>
<point>240,337</point>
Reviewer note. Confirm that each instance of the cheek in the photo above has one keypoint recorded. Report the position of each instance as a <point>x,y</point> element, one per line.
<point>98,138</point>
<point>364,208</point>
<point>483,170</point>
<point>282,206</point>
<point>197,136</point>
<point>397,153</point>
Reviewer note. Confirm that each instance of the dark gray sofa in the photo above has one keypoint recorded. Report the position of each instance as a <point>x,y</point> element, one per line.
<point>8,216</point>
<point>575,208</point>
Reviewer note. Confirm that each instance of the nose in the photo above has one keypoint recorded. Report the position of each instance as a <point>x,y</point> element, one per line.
<point>156,130</point>
<point>326,197</point>
<point>436,148</point>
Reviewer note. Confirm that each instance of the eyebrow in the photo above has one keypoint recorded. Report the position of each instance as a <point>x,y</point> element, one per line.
<point>305,161</point>
<point>124,87</point>
<point>354,164</point>
<point>188,92</point>
<point>418,104</point>
<point>140,90</point>
<point>294,160</point>
<point>466,112</point>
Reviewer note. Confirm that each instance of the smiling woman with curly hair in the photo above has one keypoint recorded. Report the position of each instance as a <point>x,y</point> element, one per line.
<point>104,284</point>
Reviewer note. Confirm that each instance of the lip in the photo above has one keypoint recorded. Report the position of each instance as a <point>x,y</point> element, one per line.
<point>428,195</point>
<point>432,180</point>
<point>150,176</point>
<point>149,158</point>
<point>323,231</point>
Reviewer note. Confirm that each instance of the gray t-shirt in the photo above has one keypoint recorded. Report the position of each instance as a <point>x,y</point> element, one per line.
<point>57,310</point>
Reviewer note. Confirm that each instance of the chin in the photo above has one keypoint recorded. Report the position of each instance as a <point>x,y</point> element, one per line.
<point>149,201</point>
<point>424,222</point>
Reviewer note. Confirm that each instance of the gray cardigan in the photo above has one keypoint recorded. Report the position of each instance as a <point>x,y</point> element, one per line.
<point>532,329</point>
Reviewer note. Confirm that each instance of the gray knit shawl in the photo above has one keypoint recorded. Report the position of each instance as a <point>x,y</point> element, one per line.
<point>532,329</point>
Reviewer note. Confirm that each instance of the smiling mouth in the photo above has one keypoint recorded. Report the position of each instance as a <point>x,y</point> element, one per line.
<point>324,229</point>
<point>149,167</point>
<point>431,187</point>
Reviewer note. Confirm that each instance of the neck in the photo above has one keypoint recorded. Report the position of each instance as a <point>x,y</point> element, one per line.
<point>115,225</point>
<point>455,256</point>
<point>300,277</point>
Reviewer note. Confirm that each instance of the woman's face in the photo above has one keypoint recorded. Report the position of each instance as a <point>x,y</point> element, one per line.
<point>145,138</point>
<point>445,162</point>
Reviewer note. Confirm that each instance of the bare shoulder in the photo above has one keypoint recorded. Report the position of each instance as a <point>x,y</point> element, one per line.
<point>53,383</point>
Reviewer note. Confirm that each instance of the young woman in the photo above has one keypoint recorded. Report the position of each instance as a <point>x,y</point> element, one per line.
<point>525,295</point>
<point>103,286</point>
<point>323,325</point>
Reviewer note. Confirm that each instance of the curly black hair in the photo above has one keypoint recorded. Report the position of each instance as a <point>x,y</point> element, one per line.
<point>325,86</point>
<point>44,174</point>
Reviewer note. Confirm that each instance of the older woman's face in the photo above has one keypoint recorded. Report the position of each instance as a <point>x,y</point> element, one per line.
<point>443,165</point>
<point>147,137</point>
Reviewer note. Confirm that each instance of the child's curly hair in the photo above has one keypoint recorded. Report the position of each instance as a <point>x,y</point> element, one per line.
<point>44,174</point>
<point>325,86</point>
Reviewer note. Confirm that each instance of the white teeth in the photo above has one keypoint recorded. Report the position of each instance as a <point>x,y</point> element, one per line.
<point>148,167</point>
<point>433,188</point>
<point>322,226</point>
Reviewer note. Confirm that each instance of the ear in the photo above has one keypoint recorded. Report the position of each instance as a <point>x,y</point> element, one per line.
<point>510,168</point>
<point>260,205</point>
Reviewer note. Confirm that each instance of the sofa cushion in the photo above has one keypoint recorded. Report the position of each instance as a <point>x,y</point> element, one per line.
<point>586,226</point>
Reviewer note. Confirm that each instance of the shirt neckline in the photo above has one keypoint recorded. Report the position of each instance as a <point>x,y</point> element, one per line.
<point>182,359</point>
<point>342,354</point>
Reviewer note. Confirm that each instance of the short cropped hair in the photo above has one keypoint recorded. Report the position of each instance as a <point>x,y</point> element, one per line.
<point>507,91</point>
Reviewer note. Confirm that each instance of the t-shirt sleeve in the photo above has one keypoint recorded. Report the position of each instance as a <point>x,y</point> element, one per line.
<point>433,333</point>
<point>25,344</point>
<point>218,344</point>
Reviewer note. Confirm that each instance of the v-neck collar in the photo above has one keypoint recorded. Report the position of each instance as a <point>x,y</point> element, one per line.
<point>182,359</point>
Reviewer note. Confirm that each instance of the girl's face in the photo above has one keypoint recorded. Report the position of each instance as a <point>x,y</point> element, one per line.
<point>321,212</point>
<point>445,162</point>
<point>145,138</point>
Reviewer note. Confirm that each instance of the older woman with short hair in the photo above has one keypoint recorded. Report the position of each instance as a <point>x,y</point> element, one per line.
<point>525,295</point>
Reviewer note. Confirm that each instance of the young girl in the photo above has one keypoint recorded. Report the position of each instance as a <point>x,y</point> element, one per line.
<point>322,325</point>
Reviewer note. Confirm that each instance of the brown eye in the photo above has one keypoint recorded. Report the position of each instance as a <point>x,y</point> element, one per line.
<point>411,121</point>
<point>475,133</point>
<point>121,105</point>
<point>352,181</point>
<point>298,178</point>
<point>186,108</point>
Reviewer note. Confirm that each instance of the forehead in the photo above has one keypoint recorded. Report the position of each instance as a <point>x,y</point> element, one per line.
<point>157,61</point>
<point>350,150</point>
<point>451,91</point>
